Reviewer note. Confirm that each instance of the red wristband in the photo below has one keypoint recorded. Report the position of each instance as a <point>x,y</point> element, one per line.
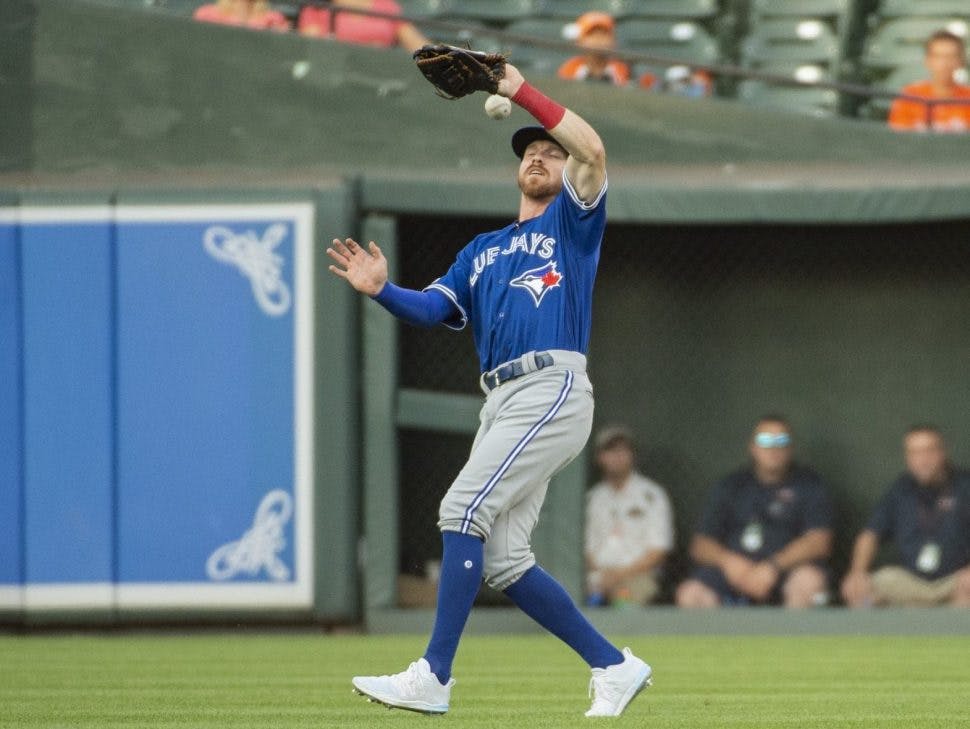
<point>544,109</point>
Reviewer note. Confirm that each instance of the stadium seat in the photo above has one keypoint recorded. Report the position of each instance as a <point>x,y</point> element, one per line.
<point>667,8</point>
<point>545,28</point>
<point>783,40</point>
<point>899,42</point>
<point>801,71</point>
<point>424,8</point>
<point>801,39</point>
<point>903,76</point>
<point>492,10</point>
<point>683,40</point>
<point>572,9</point>
<point>922,8</point>
<point>818,102</point>
<point>799,8</point>
<point>629,8</point>
<point>176,7</point>
<point>534,57</point>
<point>468,33</point>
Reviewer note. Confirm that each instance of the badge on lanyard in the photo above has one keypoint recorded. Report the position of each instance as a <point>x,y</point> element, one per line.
<point>929,557</point>
<point>752,538</point>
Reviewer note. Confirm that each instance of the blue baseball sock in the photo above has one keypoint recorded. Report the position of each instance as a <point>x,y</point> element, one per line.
<point>461,576</point>
<point>544,600</point>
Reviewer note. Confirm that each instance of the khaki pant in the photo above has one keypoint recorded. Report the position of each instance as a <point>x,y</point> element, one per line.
<point>898,586</point>
<point>639,590</point>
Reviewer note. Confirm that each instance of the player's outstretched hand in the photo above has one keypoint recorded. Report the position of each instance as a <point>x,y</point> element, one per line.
<point>366,271</point>
<point>511,82</point>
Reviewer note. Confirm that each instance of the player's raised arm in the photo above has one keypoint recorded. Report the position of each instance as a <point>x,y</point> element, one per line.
<point>457,72</point>
<point>366,271</point>
<point>586,166</point>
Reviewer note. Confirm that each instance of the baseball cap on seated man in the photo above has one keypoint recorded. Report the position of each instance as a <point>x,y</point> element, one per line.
<point>613,435</point>
<point>526,136</point>
<point>594,20</point>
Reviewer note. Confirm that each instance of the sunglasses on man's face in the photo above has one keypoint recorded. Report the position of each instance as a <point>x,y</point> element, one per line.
<point>772,440</point>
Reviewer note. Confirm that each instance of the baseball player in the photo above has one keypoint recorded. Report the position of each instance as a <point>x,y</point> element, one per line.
<point>527,291</point>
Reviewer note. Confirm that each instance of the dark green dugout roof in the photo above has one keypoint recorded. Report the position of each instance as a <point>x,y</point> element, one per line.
<point>126,97</point>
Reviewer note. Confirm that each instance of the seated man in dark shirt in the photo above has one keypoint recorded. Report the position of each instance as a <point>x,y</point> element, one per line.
<point>765,532</point>
<point>926,512</point>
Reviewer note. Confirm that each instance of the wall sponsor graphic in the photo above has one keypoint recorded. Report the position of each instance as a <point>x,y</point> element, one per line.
<point>166,414</point>
<point>259,548</point>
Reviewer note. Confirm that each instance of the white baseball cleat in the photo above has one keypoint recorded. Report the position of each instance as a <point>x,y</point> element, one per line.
<point>416,689</point>
<point>613,687</point>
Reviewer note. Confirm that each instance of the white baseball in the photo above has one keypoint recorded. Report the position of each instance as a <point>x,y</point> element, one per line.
<point>498,107</point>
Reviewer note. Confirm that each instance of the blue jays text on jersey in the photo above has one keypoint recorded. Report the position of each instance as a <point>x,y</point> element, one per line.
<point>529,286</point>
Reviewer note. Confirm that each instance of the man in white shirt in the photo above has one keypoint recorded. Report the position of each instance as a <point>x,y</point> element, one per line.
<point>629,526</point>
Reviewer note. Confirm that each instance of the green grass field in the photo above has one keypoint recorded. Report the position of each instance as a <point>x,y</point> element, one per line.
<point>245,680</point>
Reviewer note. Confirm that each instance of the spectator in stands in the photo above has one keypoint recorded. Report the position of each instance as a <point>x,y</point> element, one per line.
<point>350,27</point>
<point>945,56</point>
<point>681,80</point>
<point>926,512</point>
<point>254,14</point>
<point>685,81</point>
<point>629,526</point>
<point>596,32</point>
<point>765,532</point>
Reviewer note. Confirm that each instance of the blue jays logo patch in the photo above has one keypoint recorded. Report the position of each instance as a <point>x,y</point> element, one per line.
<point>538,281</point>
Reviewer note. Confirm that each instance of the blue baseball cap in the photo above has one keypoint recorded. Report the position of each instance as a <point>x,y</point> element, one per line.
<point>526,136</point>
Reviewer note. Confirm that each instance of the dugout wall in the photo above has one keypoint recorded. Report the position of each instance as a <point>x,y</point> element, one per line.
<point>854,332</point>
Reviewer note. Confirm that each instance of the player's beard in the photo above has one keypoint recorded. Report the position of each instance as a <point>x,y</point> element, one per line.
<point>539,188</point>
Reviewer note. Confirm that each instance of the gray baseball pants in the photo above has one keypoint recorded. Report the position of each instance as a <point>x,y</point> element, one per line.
<point>531,428</point>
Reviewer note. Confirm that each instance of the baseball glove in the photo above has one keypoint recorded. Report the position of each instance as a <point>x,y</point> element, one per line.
<point>455,72</point>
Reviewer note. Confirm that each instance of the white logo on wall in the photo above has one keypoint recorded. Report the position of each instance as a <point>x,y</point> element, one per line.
<point>259,547</point>
<point>256,259</point>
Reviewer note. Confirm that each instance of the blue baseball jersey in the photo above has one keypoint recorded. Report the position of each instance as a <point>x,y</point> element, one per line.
<point>915,516</point>
<point>529,286</point>
<point>780,513</point>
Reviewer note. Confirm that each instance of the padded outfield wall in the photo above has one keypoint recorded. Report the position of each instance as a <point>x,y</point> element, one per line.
<point>161,408</point>
<point>753,261</point>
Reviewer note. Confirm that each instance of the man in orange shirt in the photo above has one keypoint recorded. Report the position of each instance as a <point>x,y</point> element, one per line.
<point>596,32</point>
<point>945,55</point>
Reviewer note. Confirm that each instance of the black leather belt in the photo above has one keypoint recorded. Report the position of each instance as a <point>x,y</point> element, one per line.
<point>511,370</point>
